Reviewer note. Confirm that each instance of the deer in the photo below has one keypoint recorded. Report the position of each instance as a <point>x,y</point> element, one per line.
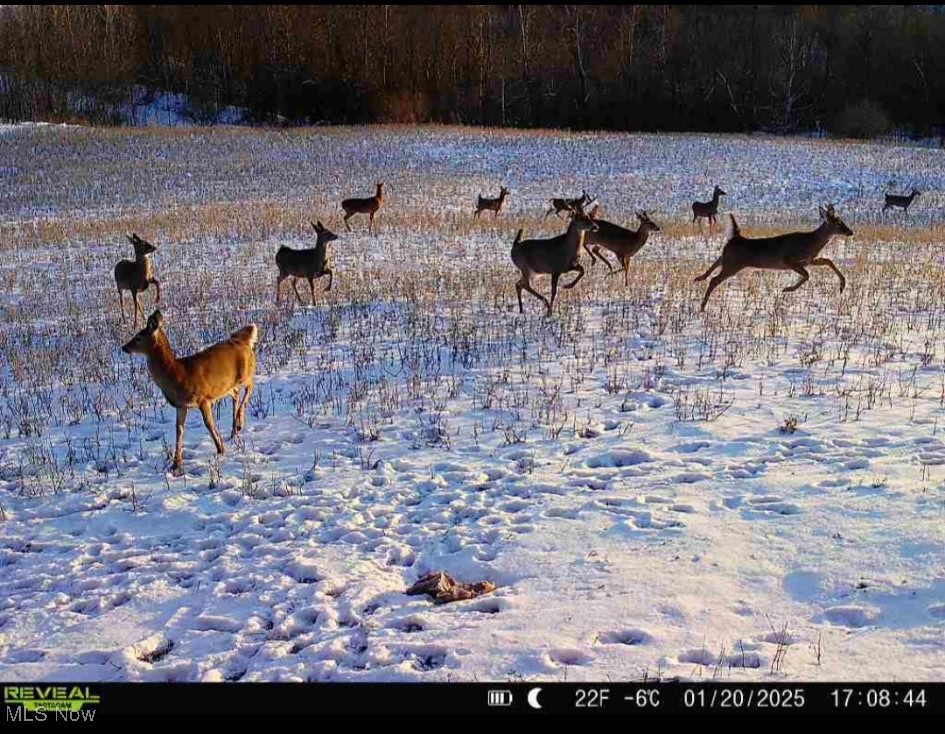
<point>201,379</point>
<point>554,256</point>
<point>493,205</point>
<point>309,264</point>
<point>708,209</point>
<point>568,205</point>
<point>136,275</point>
<point>791,251</point>
<point>623,242</point>
<point>368,206</point>
<point>903,202</point>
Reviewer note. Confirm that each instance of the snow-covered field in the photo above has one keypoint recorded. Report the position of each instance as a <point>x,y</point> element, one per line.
<point>756,494</point>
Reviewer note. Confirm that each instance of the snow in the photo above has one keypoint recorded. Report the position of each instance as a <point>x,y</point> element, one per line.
<point>622,470</point>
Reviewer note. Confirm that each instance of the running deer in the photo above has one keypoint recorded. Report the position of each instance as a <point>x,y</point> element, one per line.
<point>368,206</point>
<point>201,379</point>
<point>308,264</point>
<point>903,202</point>
<point>568,205</point>
<point>791,251</point>
<point>136,275</point>
<point>623,242</point>
<point>554,257</point>
<point>708,209</point>
<point>492,205</point>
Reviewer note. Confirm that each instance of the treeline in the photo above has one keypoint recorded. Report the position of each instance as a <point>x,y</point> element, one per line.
<point>854,69</point>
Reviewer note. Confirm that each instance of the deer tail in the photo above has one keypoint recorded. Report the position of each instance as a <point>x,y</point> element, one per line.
<point>736,230</point>
<point>248,335</point>
<point>518,237</point>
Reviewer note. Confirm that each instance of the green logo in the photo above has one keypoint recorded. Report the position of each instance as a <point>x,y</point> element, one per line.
<point>49,698</point>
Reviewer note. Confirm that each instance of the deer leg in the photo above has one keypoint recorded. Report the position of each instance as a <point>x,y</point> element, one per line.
<point>278,283</point>
<point>241,412</point>
<point>599,255</point>
<point>554,290</point>
<point>311,285</point>
<point>580,271</point>
<point>346,218</point>
<point>524,283</point>
<point>829,263</point>
<point>371,223</point>
<point>236,399</point>
<point>178,447</point>
<point>805,276</point>
<point>715,283</point>
<point>207,412</point>
<point>295,287</point>
<point>134,297</point>
<point>331,278</point>
<point>478,212</point>
<point>121,304</point>
<point>708,272</point>
<point>157,284</point>
<point>626,272</point>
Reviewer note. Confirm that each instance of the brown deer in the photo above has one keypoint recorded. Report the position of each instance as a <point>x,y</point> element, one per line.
<point>902,202</point>
<point>201,379</point>
<point>568,205</point>
<point>623,242</point>
<point>708,209</point>
<point>492,205</point>
<point>554,257</point>
<point>309,264</point>
<point>368,206</point>
<point>136,275</point>
<point>791,251</point>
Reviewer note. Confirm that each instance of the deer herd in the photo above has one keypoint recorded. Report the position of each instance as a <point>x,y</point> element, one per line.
<point>222,370</point>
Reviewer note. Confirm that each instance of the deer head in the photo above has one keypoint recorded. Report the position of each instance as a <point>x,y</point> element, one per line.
<point>142,247</point>
<point>646,222</point>
<point>834,222</point>
<point>143,341</point>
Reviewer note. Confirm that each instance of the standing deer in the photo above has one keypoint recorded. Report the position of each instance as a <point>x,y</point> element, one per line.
<point>708,209</point>
<point>791,251</point>
<point>308,264</point>
<point>568,205</point>
<point>623,242</point>
<point>368,206</point>
<point>554,256</point>
<point>136,275</point>
<point>201,379</point>
<point>903,202</point>
<point>493,205</point>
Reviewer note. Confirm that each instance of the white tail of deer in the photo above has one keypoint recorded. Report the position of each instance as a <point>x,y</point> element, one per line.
<point>491,205</point>
<point>791,251</point>
<point>368,206</point>
<point>309,264</point>
<point>623,242</point>
<point>708,209</point>
<point>201,379</point>
<point>554,257</point>
<point>136,275</point>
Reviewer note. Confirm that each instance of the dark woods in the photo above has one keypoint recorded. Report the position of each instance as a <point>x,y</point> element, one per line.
<point>851,69</point>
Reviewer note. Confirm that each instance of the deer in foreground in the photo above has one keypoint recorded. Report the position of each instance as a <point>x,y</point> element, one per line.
<point>492,205</point>
<point>136,275</point>
<point>791,251</point>
<point>368,206</point>
<point>568,205</point>
<point>902,202</point>
<point>308,264</point>
<point>623,242</point>
<point>554,257</point>
<point>708,209</point>
<point>201,379</point>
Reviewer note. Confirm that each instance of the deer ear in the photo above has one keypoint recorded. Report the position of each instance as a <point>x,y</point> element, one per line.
<point>132,238</point>
<point>155,321</point>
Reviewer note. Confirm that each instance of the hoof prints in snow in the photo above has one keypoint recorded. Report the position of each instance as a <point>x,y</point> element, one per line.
<point>619,459</point>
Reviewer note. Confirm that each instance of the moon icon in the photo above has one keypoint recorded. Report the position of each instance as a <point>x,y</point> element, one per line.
<point>533,698</point>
